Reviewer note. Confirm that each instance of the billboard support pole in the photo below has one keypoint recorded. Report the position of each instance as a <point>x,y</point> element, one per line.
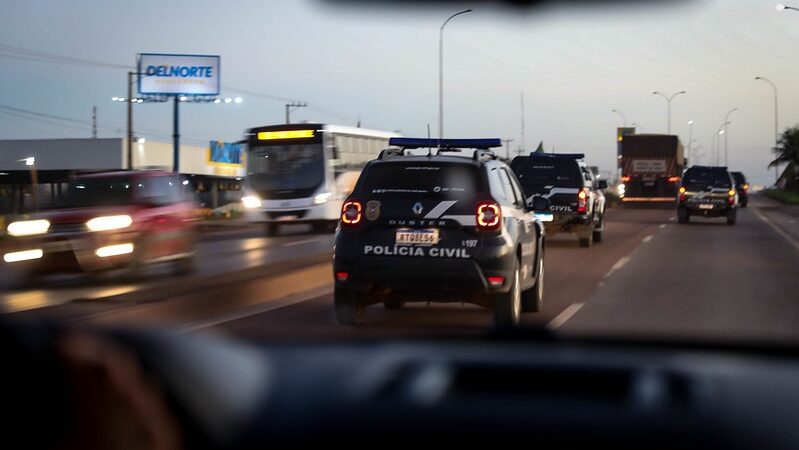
<point>176,137</point>
<point>130,121</point>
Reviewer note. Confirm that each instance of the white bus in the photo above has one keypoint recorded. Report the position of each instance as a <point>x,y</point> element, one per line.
<point>301,173</point>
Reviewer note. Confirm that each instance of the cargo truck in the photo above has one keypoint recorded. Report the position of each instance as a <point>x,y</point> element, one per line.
<point>651,165</point>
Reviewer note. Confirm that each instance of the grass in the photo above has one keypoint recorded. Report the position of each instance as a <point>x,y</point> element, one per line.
<point>787,197</point>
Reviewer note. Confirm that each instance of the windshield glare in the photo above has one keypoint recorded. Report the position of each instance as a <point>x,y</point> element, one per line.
<point>98,192</point>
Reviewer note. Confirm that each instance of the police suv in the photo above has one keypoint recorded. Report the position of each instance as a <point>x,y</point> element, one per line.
<point>453,226</point>
<point>576,201</point>
<point>709,192</point>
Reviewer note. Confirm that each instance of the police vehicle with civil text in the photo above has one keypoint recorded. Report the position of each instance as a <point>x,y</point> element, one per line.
<point>449,226</point>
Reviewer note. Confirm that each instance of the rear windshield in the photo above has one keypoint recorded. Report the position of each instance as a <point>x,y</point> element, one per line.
<point>429,179</point>
<point>537,173</point>
<point>704,178</point>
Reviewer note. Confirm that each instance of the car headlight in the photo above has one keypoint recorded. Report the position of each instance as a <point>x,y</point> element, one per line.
<point>28,227</point>
<point>251,201</point>
<point>322,198</point>
<point>106,223</point>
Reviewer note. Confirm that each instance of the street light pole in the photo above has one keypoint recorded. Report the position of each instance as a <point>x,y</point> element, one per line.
<point>624,119</point>
<point>441,73</point>
<point>690,136</point>
<point>726,135</point>
<point>776,123</point>
<point>130,120</point>
<point>668,107</point>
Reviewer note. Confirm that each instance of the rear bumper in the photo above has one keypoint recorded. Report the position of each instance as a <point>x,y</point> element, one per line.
<point>307,214</point>
<point>568,223</point>
<point>717,211</point>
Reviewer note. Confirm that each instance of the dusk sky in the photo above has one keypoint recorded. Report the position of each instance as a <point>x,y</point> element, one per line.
<point>574,66</point>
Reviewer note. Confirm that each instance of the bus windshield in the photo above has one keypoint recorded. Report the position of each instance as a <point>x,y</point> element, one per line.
<point>285,167</point>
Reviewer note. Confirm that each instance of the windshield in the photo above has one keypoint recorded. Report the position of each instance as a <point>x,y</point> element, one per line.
<point>285,167</point>
<point>277,115</point>
<point>98,192</point>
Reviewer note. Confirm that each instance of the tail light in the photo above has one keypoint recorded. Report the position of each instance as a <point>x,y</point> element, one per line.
<point>351,213</point>
<point>626,178</point>
<point>489,215</point>
<point>582,201</point>
<point>682,194</point>
<point>746,187</point>
<point>674,179</point>
<point>342,276</point>
<point>731,196</point>
<point>496,281</point>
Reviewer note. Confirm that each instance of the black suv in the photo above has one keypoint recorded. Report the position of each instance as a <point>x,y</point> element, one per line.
<point>742,188</point>
<point>576,203</point>
<point>707,191</point>
<point>439,227</point>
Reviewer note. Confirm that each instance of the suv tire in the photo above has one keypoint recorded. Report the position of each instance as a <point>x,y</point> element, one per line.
<point>507,306</point>
<point>683,216</point>
<point>346,308</point>
<point>533,298</point>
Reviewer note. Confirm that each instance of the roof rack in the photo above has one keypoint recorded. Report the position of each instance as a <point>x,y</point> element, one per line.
<point>410,143</point>
<point>560,155</point>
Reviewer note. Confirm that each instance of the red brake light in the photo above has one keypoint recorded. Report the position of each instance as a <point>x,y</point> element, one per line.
<point>731,196</point>
<point>496,281</point>
<point>683,197</point>
<point>626,178</point>
<point>674,179</point>
<point>582,203</point>
<point>351,212</point>
<point>342,276</point>
<point>489,215</point>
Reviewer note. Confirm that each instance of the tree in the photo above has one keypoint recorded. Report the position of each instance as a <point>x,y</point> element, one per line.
<point>540,148</point>
<point>787,151</point>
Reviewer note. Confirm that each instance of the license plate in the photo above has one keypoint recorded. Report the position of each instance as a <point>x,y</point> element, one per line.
<point>545,217</point>
<point>705,206</point>
<point>649,183</point>
<point>410,236</point>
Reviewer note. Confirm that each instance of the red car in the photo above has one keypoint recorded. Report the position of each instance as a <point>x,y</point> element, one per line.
<point>107,221</point>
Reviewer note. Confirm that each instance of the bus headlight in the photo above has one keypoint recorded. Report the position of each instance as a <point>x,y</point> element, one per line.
<point>251,201</point>
<point>28,227</point>
<point>322,198</point>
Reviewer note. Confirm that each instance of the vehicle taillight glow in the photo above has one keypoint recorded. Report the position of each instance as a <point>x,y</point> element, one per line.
<point>682,194</point>
<point>674,179</point>
<point>582,203</point>
<point>489,215</point>
<point>746,186</point>
<point>342,276</point>
<point>731,196</point>
<point>496,281</point>
<point>351,212</point>
<point>626,178</point>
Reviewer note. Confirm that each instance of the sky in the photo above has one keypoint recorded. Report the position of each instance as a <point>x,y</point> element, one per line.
<point>350,61</point>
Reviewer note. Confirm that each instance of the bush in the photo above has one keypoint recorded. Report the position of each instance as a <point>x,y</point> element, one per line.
<point>787,197</point>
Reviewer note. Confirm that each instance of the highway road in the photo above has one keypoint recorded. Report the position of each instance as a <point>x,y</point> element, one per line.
<point>650,276</point>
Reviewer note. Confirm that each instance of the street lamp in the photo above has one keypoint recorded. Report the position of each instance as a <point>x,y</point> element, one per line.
<point>690,136</point>
<point>624,119</point>
<point>715,149</point>
<point>441,73</point>
<point>776,123</point>
<point>668,107</point>
<point>781,7</point>
<point>726,135</point>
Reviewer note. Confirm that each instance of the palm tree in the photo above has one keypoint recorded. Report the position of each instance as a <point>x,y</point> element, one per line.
<point>787,150</point>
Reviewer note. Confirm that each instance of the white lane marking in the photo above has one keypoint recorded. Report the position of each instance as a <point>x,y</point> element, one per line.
<point>300,242</point>
<point>619,264</point>
<point>291,299</point>
<point>648,238</point>
<point>564,315</point>
<point>440,209</point>
<point>779,231</point>
<point>671,219</point>
<point>662,226</point>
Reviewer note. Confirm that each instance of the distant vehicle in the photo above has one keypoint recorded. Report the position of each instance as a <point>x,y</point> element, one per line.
<point>301,173</point>
<point>651,168</point>
<point>107,221</point>
<point>576,201</point>
<point>442,228</point>
<point>742,188</point>
<point>709,192</point>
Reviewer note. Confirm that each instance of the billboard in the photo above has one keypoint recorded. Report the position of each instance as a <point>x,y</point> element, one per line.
<point>167,74</point>
<point>225,153</point>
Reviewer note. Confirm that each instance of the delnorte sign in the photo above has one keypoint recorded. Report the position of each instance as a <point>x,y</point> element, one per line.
<point>167,74</point>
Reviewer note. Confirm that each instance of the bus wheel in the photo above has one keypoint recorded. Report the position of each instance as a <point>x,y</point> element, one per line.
<point>272,229</point>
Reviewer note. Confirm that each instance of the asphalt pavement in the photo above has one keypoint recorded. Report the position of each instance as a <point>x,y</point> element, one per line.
<point>650,276</point>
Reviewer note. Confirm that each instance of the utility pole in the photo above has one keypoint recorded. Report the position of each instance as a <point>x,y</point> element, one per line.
<point>130,120</point>
<point>522,128</point>
<point>507,147</point>
<point>176,138</point>
<point>293,105</point>
<point>94,122</point>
